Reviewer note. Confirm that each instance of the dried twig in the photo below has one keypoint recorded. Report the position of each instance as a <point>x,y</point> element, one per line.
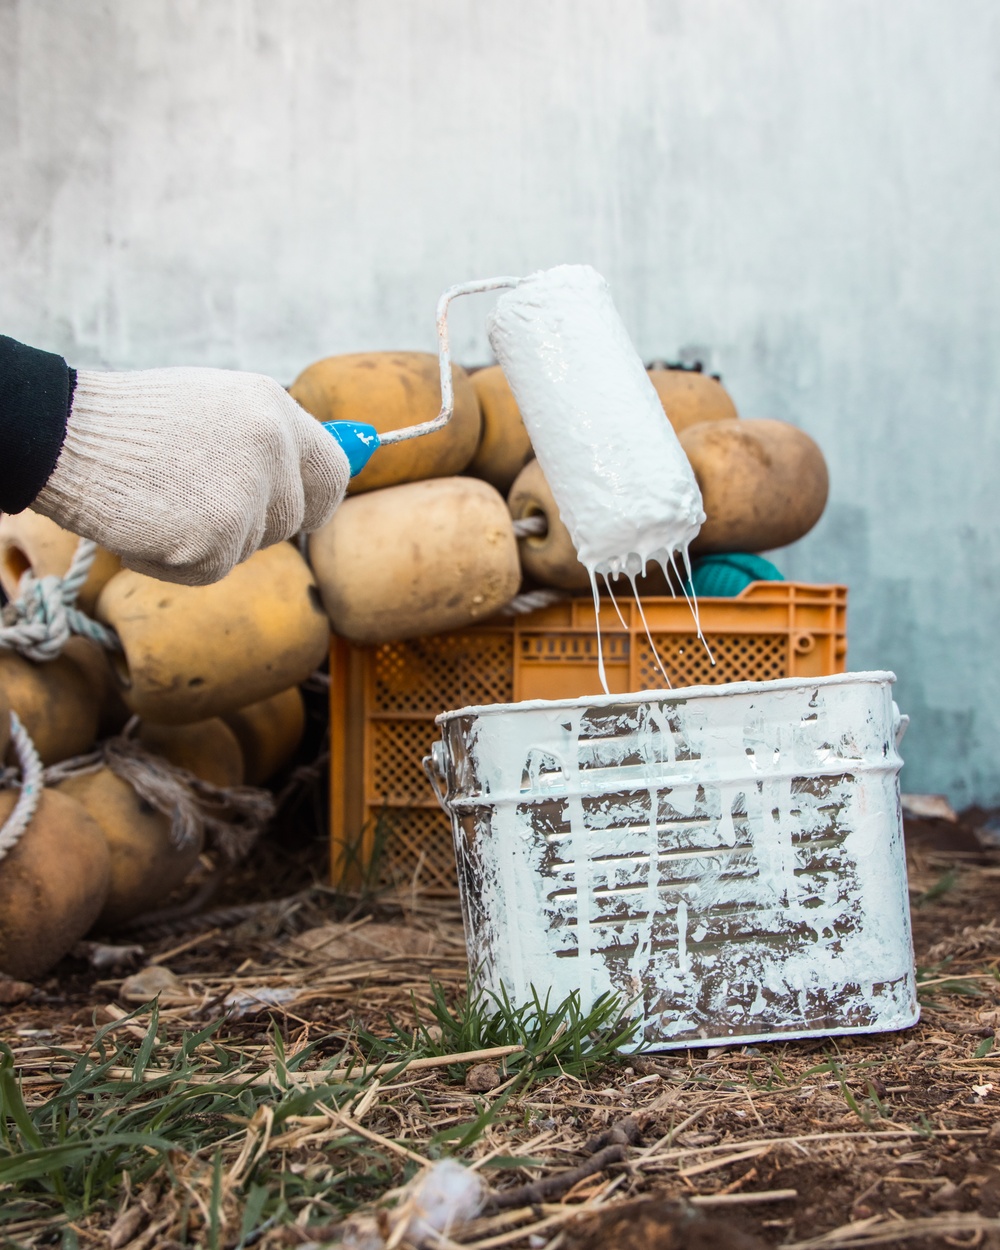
<point>888,1232</point>
<point>607,1148</point>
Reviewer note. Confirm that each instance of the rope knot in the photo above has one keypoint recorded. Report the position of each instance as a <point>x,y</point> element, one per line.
<point>41,620</point>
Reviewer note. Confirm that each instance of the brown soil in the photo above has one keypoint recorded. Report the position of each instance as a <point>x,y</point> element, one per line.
<point>891,1139</point>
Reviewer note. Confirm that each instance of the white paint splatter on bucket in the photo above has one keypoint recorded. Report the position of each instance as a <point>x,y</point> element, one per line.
<point>730,857</point>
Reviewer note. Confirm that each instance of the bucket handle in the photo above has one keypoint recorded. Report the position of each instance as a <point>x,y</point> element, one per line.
<point>900,724</point>
<point>434,775</point>
<point>444,359</point>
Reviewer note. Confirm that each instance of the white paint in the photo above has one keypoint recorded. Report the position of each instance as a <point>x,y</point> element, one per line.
<point>440,1198</point>
<point>732,855</point>
<point>805,194</point>
<point>624,487</point>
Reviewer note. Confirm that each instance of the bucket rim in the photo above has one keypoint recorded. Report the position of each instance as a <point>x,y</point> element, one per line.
<point>679,693</point>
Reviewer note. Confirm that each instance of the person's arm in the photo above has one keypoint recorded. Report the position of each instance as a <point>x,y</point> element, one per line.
<point>36,390</point>
<point>183,473</point>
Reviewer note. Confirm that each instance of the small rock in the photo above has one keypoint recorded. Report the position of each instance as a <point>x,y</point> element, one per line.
<point>928,807</point>
<point>153,980</point>
<point>12,991</point>
<point>482,1077</point>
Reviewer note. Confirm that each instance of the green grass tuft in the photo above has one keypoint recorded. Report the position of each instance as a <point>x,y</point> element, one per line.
<point>560,1039</point>
<point>186,1108</point>
<point>65,1156</point>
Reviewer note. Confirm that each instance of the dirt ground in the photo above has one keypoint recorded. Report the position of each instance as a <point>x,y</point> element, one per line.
<point>891,1139</point>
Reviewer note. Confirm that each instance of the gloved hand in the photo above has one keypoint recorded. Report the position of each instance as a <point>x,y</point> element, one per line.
<point>186,472</point>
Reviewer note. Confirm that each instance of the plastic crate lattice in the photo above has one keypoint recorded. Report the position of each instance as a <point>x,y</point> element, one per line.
<point>385,823</point>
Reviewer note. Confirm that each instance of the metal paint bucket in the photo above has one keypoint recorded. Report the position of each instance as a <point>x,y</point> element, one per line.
<point>729,859</point>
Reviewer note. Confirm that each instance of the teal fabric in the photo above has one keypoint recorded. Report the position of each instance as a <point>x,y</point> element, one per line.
<point>724,576</point>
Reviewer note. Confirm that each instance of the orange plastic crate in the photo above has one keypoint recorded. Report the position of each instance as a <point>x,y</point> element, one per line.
<point>386,826</point>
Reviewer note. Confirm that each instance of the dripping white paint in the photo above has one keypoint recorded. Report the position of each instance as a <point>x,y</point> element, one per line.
<point>621,480</point>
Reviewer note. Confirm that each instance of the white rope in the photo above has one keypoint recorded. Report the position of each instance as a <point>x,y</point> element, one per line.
<point>531,601</point>
<point>232,818</point>
<point>31,787</point>
<point>41,620</point>
<point>526,526</point>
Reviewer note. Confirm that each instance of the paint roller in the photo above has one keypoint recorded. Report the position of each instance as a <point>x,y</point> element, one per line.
<point>621,480</point>
<point>360,440</point>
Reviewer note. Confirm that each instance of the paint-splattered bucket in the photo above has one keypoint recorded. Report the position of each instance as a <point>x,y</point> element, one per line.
<point>730,858</point>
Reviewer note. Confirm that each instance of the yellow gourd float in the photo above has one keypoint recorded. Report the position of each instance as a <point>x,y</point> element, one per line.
<point>416,559</point>
<point>30,541</point>
<point>269,733</point>
<point>55,702</point>
<point>144,864</point>
<point>53,884</point>
<point>690,397</point>
<point>391,390</point>
<point>94,661</point>
<point>764,483</point>
<point>193,652</point>
<point>548,558</point>
<point>207,748</point>
<point>504,446</point>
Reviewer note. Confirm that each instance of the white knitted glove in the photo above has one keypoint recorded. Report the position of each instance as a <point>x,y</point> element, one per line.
<point>186,472</point>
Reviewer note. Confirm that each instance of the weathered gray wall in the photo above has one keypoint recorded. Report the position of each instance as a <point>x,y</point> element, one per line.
<point>806,189</point>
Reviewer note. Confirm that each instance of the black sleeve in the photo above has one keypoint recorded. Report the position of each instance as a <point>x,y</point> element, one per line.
<point>36,391</point>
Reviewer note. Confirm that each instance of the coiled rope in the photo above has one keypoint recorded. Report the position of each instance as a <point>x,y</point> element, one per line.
<point>531,601</point>
<point>531,526</point>
<point>31,786</point>
<point>230,819</point>
<point>534,526</point>
<point>43,618</point>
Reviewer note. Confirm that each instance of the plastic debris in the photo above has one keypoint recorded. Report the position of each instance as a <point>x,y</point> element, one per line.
<point>442,1197</point>
<point>250,1002</point>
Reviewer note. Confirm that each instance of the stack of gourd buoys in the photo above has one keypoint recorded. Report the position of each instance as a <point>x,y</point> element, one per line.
<point>425,542</point>
<point>763,482</point>
<point>213,674</point>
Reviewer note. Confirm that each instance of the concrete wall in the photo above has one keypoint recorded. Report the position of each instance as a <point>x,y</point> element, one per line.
<point>805,191</point>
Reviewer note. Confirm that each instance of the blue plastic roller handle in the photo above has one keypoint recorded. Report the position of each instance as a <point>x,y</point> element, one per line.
<point>357,439</point>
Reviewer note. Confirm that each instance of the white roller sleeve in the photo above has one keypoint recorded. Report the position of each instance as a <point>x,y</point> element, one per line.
<point>624,487</point>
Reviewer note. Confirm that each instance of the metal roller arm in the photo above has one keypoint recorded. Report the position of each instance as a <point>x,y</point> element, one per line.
<point>444,358</point>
